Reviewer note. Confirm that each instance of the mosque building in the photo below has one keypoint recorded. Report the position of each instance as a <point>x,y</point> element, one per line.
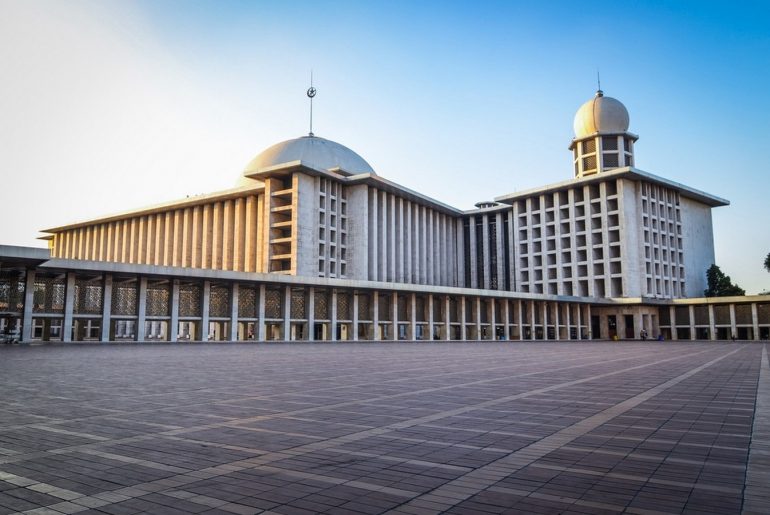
<point>312,244</point>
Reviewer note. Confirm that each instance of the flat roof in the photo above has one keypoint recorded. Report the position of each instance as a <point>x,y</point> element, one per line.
<point>627,172</point>
<point>164,206</point>
<point>371,179</point>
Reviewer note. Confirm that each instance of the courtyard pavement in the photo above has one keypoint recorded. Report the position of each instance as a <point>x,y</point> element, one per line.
<point>410,428</point>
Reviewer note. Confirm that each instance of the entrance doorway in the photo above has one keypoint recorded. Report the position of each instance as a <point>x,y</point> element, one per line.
<point>596,328</point>
<point>629,320</point>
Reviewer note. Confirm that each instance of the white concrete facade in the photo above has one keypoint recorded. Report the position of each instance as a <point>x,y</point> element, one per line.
<point>312,210</point>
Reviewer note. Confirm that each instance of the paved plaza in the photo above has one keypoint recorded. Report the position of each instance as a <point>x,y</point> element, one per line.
<point>371,428</point>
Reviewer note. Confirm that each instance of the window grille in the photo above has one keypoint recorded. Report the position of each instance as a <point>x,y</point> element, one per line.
<point>384,308</point>
<point>273,308</point>
<point>48,295</point>
<point>189,300</point>
<point>124,298</point>
<point>88,297</point>
<point>611,161</point>
<point>248,302</point>
<point>158,297</point>
<point>364,306</point>
<point>11,293</point>
<point>610,143</point>
<point>343,306</point>
<point>403,314</point>
<point>219,301</point>
<point>321,306</point>
<point>298,304</point>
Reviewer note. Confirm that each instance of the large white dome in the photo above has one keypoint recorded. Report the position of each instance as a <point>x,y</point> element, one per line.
<point>601,114</point>
<point>313,151</point>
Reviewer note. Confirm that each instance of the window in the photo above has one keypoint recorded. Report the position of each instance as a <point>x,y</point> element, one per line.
<point>610,142</point>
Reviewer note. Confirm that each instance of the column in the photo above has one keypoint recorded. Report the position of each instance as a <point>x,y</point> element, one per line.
<point>69,307</point>
<point>477,309</point>
<point>556,319</point>
<point>486,273</point>
<point>447,318</point>
<point>394,313</point>
<point>286,329</point>
<point>412,317</point>
<point>691,316</point>
<point>106,307</point>
<point>531,318</point>
<point>376,315</point>
<point>355,315</point>
<point>173,333</point>
<point>142,309</point>
<point>261,314</point>
<point>430,316</point>
<point>205,301</point>
<point>672,317</point>
<point>310,314</point>
<point>463,335</point>
<point>579,313</point>
<point>712,325</point>
<point>333,316</point>
<point>733,331</point>
<point>473,257</point>
<point>492,319</point>
<point>755,320</point>
<point>507,316</point>
<point>234,297</point>
<point>29,301</point>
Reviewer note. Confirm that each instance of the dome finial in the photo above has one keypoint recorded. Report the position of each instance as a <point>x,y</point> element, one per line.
<point>599,92</point>
<point>311,91</point>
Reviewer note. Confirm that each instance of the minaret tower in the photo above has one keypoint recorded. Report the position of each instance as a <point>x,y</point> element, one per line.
<point>602,141</point>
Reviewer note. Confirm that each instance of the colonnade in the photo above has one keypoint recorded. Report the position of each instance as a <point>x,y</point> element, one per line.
<point>148,308</point>
<point>717,321</point>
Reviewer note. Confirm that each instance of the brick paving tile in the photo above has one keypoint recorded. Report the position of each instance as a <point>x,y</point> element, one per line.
<point>361,429</point>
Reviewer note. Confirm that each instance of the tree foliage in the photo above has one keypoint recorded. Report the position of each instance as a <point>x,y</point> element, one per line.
<point>767,262</point>
<point>720,285</point>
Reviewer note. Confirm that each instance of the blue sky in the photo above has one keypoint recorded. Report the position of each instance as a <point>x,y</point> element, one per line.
<point>109,105</point>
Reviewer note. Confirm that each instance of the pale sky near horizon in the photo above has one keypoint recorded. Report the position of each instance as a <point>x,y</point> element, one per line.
<point>108,105</point>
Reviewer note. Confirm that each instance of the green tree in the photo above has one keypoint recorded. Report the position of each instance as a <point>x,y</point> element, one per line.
<point>767,262</point>
<point>720,285</point>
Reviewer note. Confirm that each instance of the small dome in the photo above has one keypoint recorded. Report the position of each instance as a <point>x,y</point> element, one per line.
<point>600,114</point>
<point>313,151</point>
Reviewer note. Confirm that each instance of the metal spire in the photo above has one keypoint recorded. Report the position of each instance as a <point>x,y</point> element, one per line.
<point>599,92</point>
<point>311,91</point>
